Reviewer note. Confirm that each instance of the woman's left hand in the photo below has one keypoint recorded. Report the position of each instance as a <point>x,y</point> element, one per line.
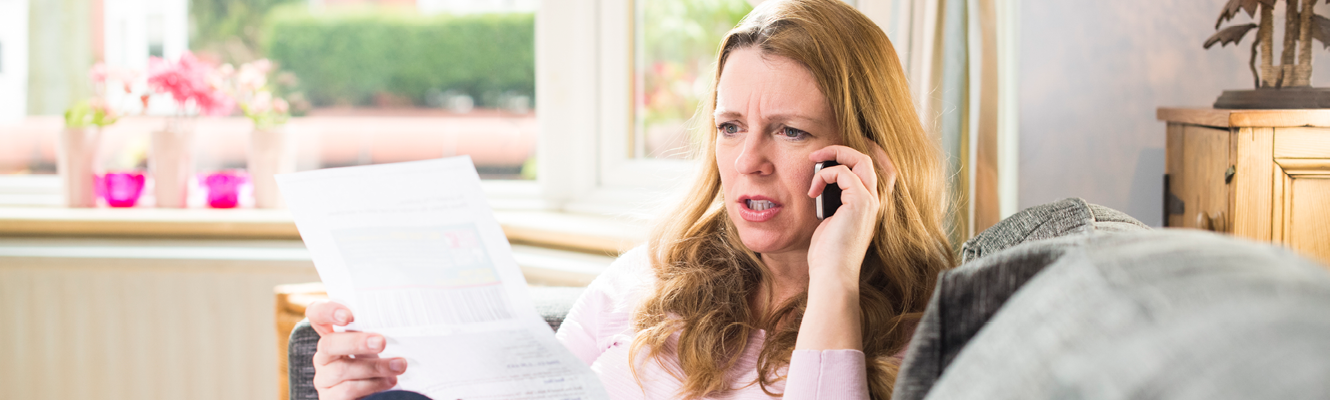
<point>840,242</point>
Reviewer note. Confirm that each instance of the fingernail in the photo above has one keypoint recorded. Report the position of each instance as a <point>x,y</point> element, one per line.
<point>341,316</point>
<point>375,342</point>
<point>397,365</point>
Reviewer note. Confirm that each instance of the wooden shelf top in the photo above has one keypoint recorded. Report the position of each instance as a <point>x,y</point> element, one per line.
<point>1244,118</point>
<point>147,222</point>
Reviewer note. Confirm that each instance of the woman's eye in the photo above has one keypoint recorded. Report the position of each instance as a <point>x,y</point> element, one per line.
<point>792,133</point>
<point>728,128</point>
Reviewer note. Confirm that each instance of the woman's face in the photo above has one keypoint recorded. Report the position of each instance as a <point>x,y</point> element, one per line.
<point>770,115</point>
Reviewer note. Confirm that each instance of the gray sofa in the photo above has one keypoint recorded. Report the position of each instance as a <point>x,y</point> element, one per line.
<point>1075,300</point>
<point>1071,300</point>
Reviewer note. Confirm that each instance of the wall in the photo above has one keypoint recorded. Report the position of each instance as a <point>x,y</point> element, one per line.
<point>1091,76</point>
<point>142,319</point>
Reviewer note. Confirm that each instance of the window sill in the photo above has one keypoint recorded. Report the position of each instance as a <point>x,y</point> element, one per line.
<point>540,266</point>
<point>31,205</point>
<point>581,233</point>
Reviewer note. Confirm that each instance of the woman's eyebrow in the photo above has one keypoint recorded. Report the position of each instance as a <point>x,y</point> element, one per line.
<point>791,117</point>
<point>722,113</point>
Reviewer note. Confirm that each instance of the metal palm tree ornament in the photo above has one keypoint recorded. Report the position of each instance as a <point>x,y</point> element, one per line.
<point>1287,85</point>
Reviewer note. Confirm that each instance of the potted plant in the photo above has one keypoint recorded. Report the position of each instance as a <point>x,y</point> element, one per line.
<point>196,88</point>
<point>1287,85</point>
<point>271,150</point>
<point>81,136</point>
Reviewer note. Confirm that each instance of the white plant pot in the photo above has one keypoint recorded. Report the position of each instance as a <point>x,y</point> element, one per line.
<point>172,165</point>
<point>77,157</point>
<point>271,152</point>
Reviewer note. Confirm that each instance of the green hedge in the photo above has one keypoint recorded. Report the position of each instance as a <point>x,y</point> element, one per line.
<point>350,56</point>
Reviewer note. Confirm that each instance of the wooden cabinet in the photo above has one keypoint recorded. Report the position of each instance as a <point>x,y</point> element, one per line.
<point>1260,174</point>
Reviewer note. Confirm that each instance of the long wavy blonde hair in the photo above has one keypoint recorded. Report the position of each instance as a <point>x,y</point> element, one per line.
<point>706,277</point>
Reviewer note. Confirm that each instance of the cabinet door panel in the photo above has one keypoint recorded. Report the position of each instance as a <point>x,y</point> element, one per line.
<point>1302,212</point>
<point>1197,159</point>
<point>1253,184</point>
<point>1309,217</point>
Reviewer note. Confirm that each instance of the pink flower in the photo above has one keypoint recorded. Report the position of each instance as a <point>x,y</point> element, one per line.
<point>125,76</point>
<point>215,104</point>
<point>281,106</point>
<point>251,78</point>
<point>179,81</point>
<point>226,70</point>
<point>98,73</point>
<point>190,79</point>
<point>262,102</point>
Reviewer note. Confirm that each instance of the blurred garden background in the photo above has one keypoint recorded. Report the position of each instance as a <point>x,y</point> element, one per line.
<point>367,81</point>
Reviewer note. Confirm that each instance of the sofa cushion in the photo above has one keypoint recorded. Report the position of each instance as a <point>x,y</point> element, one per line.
<point>965,297</point>
<point>1164,314</point>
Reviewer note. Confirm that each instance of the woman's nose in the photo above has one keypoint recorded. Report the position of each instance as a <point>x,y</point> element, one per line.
<point>754,159</point>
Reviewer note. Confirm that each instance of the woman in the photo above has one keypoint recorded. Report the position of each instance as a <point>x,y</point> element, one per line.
<point>744,292</point>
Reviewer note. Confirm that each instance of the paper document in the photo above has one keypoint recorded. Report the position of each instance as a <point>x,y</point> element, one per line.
<point>414,250</point>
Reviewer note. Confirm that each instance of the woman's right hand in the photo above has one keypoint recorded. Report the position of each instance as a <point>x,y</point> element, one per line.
<point>347,364</point>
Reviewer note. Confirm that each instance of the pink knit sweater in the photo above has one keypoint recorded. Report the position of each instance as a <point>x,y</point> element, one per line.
<point>599,331</point>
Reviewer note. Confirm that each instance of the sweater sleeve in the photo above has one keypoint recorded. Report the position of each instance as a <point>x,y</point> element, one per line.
<point>826,375</point>
<point>580,327</point>
<point>604,309</point>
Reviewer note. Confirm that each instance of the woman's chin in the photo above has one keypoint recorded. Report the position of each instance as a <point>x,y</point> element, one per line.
<point>766,242</point>
<point>772,236</point>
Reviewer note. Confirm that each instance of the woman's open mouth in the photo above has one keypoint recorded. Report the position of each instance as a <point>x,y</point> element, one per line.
<point>758,208</point>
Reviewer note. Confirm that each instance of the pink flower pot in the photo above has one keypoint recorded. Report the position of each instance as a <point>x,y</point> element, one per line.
<point>121,189</point>
<point>224,188</point>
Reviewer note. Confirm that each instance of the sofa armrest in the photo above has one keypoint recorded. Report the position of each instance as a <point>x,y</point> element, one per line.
<point>1061,218</point>
<point>553,302</point>
<point>300,362</point>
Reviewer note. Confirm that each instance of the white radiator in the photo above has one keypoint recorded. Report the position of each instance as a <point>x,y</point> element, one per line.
<point>142,319</point>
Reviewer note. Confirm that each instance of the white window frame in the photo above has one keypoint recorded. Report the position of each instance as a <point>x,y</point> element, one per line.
<point>13,60</point>
<point>125,34</point>
<point>584,103</point>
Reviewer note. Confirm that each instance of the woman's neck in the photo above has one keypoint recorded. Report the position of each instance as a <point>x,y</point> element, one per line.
<point>788,275</point>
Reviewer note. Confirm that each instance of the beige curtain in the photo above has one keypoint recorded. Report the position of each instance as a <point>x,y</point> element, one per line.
<point>960,57</point>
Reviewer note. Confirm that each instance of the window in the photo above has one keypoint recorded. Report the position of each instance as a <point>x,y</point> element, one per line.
<point>675,49</point>
<point>467,88</point>
<point>605,147</point>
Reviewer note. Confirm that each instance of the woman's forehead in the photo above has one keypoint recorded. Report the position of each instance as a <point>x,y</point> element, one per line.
<point>773,86</point>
